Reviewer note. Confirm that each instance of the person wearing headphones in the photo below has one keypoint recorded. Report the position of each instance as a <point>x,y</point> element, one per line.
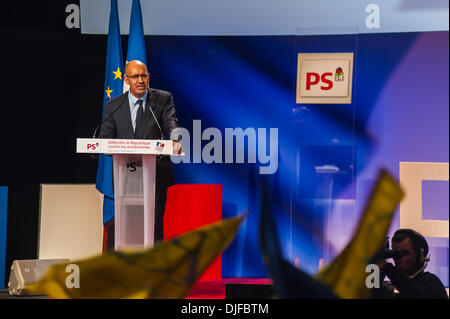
<point>408,275</point>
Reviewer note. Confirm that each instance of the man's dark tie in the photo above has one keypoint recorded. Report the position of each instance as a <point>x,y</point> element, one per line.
<point>139,131</point>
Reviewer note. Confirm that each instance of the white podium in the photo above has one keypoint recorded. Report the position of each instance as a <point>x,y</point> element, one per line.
<point>134,163</point>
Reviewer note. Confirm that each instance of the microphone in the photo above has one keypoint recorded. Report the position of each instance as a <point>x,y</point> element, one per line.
<point>158,157</point>
<point>160,130</point>
<point>157,123</point>
<point>422,268</point>
<point>95,156</point>
<point>109,116</point>
<point>96,129</point>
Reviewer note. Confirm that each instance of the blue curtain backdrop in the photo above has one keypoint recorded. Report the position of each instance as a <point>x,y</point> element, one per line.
<point>249,82</point>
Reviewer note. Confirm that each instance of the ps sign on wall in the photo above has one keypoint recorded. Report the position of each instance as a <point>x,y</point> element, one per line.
<point>324,78</point>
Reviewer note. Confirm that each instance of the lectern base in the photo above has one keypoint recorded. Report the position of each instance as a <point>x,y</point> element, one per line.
<point>130,248</point>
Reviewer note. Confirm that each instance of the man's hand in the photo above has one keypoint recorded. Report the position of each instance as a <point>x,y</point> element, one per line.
<point>177,148</point>
<point>386,267</point>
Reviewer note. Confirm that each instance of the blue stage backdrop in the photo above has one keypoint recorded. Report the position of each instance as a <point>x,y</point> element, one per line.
<point>399,113</point>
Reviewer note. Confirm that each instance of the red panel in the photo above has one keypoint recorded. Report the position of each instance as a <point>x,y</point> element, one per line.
<point>215,289</point>
<point>189,207</point>
<point>105,237</point>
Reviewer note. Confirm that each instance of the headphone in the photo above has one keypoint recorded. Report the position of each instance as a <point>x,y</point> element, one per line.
<point>420,246</point>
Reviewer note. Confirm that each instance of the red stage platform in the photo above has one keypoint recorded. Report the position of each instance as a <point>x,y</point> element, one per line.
<point>215,289</point>
<point>189,207</point>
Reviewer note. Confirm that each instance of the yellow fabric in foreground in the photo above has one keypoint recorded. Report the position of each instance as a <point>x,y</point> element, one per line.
<point>167,270</point>
<point>347,273</point>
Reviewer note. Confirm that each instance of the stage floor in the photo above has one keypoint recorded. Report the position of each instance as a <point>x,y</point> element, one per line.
<point>215,289</point>
<point>211,289</point>
<point>4,294</point>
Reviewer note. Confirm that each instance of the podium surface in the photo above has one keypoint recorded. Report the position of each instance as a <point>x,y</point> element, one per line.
<point>134,170</point>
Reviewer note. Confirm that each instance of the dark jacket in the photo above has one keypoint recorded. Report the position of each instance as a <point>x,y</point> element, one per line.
<point>423,286</point>
<point>117,116</point>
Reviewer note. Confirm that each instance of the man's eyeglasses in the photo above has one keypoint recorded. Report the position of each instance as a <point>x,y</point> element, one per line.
<point>137,76</point>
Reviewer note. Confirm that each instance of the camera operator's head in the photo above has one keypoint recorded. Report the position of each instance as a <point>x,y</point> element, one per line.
<point>414,250</point>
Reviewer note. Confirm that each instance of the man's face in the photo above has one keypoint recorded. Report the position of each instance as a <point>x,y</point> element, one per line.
<point>137,78</point>
<point>407,263</point>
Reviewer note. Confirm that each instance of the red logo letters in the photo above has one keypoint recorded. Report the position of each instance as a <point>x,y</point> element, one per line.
<point>313,78</point>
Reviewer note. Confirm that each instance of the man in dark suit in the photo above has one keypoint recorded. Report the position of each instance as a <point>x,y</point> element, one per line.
<point>145,113</point>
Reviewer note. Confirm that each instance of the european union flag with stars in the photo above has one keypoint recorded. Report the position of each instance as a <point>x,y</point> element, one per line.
<point>113,87</point>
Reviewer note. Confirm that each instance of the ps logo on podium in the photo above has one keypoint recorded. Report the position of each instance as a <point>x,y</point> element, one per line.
<point>92,147</point>
<point>131,167</point>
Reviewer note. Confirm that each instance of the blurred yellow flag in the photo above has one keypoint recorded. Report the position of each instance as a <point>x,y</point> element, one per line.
<point>347,273</point>
<point>168,270</point>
